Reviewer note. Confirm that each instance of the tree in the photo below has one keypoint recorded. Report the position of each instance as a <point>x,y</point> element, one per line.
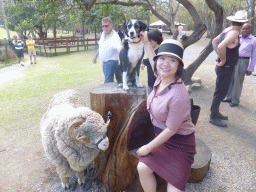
<point>33,16</point>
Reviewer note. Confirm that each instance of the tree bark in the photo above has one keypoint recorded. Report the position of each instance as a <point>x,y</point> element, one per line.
<point>190,70</point>
<point>119,168</point>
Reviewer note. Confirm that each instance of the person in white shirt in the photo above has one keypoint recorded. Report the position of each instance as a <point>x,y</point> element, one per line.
<point>109,47</point>
<point>180,30</point>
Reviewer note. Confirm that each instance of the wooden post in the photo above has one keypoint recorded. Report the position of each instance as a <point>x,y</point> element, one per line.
<point>39,47</point>
<point>55,46</point>
<point>77,43</point>
<point>67,44</point>
<point>87,43</point>
<point>44,49</point>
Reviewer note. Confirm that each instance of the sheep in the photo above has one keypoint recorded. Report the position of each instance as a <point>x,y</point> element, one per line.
<point>72,135</point>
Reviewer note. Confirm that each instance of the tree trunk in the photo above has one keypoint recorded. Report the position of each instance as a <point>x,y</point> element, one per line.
<point>190,70</point>
<point>253,16</point>
<point>54,29</point>
<point>5,21</point>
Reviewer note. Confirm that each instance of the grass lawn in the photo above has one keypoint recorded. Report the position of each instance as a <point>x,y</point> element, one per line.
<point>25,100</point>
<point>3,33</point>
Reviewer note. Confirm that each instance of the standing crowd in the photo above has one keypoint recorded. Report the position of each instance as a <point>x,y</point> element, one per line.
<point>19,46</point>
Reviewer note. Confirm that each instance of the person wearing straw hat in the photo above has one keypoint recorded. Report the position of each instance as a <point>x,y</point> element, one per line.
<point>247,55</point>
<point>171,153</point>
<point>226,45</point>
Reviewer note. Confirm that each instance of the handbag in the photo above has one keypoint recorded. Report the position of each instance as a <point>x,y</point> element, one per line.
<point>195,111</point>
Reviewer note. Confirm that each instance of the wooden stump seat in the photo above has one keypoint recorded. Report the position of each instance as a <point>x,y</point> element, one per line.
<point>130,128</point>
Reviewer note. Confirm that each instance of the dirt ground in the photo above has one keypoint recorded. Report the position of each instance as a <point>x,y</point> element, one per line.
<point>233,164</point>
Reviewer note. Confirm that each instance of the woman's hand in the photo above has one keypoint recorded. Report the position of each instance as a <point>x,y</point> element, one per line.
<point>143,151</point>
<point>144,37</point>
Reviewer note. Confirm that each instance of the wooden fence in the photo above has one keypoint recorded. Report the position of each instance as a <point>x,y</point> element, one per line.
<point>62,45</point>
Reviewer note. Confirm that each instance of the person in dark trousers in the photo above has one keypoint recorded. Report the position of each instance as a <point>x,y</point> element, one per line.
<point>19,45</point>
<point>247,51</point>
<point>155,38</point>
<point>226,45</point>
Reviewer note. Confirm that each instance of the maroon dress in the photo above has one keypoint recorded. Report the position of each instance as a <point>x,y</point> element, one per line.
<point>173,159</point>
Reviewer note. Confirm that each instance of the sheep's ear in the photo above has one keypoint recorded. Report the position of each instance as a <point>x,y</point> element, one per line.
<point>83,139</point>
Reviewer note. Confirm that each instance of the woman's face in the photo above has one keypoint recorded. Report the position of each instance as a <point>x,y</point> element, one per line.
<point>167,66</point>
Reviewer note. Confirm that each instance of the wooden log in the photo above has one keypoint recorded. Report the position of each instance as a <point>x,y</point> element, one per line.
<point>201,163</point>
<point>119,169</point>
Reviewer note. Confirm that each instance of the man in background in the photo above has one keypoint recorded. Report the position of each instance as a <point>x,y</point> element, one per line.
<point>226,45</point>
<point>31,49</point>
<point>109,48</point>
<point>18,44</point>
<point>180,30</point>
<point>247,51</point>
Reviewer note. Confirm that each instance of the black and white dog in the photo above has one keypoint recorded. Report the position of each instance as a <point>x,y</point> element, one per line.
<point>131,54</point>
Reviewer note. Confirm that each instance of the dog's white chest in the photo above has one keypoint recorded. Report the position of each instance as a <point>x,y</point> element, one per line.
<point>135,53</point>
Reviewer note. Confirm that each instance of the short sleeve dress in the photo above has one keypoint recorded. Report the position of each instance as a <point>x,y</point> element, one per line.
<point>170,109</point>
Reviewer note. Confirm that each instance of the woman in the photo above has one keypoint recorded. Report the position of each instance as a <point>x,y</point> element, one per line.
<point>171,153</point>
<point>155,38</point>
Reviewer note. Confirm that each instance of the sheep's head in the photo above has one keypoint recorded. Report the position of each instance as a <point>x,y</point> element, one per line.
<point>90,130</point>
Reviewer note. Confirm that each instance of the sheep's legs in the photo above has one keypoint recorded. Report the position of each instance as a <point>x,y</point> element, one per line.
<point>80,176</point>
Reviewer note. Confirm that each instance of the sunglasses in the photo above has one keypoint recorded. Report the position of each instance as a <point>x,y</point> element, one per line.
<point>104,137</point>
<point>105,26</point>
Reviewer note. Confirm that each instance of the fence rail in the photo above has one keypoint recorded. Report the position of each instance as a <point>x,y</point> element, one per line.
<point>58,44</point>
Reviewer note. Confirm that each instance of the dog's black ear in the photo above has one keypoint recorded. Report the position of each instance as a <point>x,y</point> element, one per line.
<point>125,26</point>
<point>143,26</point>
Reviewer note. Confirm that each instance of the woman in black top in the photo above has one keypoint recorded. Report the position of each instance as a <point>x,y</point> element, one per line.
<point>155,38</point>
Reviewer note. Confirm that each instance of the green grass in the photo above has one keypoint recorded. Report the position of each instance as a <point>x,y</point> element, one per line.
<point>25,100</point>
<point>3,33</point>
<point>22,99</point>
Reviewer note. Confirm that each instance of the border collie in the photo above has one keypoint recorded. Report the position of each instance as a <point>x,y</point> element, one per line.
<point>131,54</point>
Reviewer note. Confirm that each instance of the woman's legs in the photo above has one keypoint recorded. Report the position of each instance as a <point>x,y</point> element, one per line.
<point>147,178</point>
<point>171,188</point>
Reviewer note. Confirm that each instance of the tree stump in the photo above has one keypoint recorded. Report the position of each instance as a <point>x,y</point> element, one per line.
<point>130,128</point>
<point>201,163</point>
<point>119,169</point>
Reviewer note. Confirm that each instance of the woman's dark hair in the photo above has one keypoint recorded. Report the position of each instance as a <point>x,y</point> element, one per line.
<point>156,36</point>
<point>179,70</point>
<point>237,23</point>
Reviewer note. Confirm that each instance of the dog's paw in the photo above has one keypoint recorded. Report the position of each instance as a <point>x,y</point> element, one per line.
<point>126,88</point>
<point>139,85</point>
<point>129,83</point>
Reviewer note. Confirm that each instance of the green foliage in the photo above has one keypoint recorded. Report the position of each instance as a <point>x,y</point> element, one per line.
<point>35,16</point>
